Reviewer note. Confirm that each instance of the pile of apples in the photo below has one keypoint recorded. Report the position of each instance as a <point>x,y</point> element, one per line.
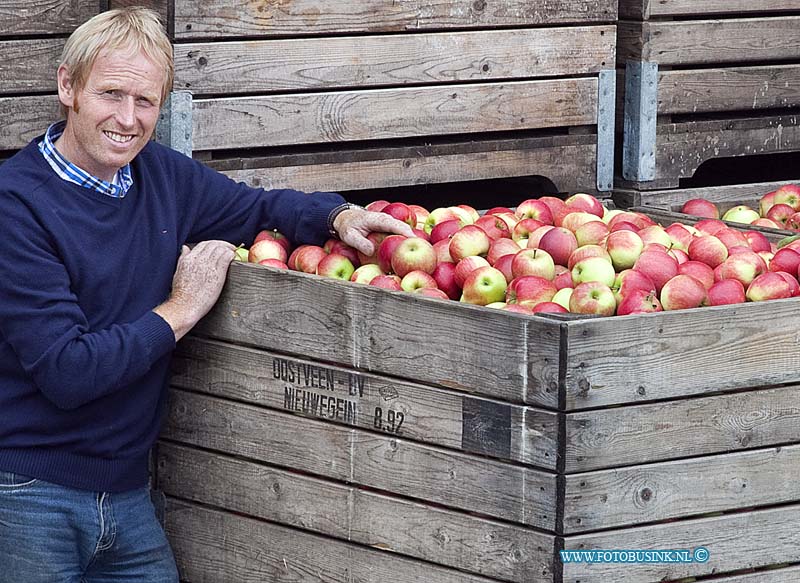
<point>779,209</point>
<point>553,255</point>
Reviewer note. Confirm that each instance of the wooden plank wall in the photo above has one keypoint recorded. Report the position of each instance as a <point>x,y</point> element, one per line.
<point>733,65</point>
<point>369,80</point>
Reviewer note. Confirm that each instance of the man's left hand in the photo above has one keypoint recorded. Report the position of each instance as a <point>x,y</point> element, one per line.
<point>354,224</point>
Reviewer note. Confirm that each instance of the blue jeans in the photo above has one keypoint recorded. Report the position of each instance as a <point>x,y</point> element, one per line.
<point>54,534</point>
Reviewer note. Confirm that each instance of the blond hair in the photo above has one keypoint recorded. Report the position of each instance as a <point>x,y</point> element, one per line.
<point>136,28</point>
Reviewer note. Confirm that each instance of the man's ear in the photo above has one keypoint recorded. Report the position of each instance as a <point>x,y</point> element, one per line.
<point>66,91</point>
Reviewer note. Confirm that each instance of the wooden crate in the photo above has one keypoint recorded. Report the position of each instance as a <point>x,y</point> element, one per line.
<point>320,429</point>
<point>333,96</point>
<point>706,80</point>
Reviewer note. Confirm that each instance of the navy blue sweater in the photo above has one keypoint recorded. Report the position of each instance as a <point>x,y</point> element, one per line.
<point>83,359</point>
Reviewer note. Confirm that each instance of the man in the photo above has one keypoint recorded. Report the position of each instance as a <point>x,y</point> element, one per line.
<point>96,286</point>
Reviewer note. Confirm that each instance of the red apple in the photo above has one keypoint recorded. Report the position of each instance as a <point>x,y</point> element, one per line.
<point>342,248</point>
<point>550,308</point>
<point>624,248</point>
<point>559,242</point>
<point>500,247</point>
<point>710,226</point>
<point>467,241</point>
<point>416,279</point>
<point>375,239</point>
<point>536,236</point>
<point>504,265</point>
<point>273,263</point>
<point>555,204</point>
<point>792,281</point>
<point>530,288</point>
<point>780,213</point>
<point>411,254</point>
<point>586,203</point>
<point>444,230</point>
<point>467,266</point>
<point>699,270</point>
<point>744,267</point>
<point>584,253</point>
<point>377,205</point>
<point>533,262</point>
<point>309,257</point>
<point>335,266</point>
<point>275,235</point>
<point>768,286</point>
<point>524,228</point>
<point>591,233</point>
<point>442,249</point>
<point>592,297</point>
<point>534,209</point>
<point>788,194</point>
<point>659,267</point>
<point>708,249</point>
<point>484,286</point>
<point>445,276</point>
<point>421,213</point>
<point>785,259</point>
<point>638,301</point>
<point>494,226</point>
<point>366,273</point>
<point>386,250</point>
<point>758,241</point>
<point>267,248</point>
<point>680,235</point>
<point>726,291</point>
<point>683,292</point>
<point>431,292</point>
<point>390,282</point>
<point>629,280</point>
<point>700,207</point>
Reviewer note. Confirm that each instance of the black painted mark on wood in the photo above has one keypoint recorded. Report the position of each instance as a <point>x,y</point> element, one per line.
<point>486,427</point>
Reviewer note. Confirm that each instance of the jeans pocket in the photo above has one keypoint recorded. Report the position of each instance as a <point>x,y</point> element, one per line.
<point>12,481</point>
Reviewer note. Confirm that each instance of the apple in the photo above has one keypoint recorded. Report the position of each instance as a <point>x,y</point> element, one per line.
<point>740,214</point>
<point>679,254</point>
<point>377,205</point>
<point>788,194</point>
<point>708,249</point>
<point>563,296</point>
<point>623,226</point>
<point>494,226</point>
<point>442,249</point>
<point>498,209</point>
<point>554,203</point>
<point>504,265</point>
<point>366,273</point>
<point>530,288</point>
<point>731,238</point>
<point>421,234</point>
<point>786,259</point>
<point>683,292</point>
<point>421,213</point>
<point>768,286</point>
<point>309,257</point>
<point>780,213</point>
<point>655,234</point>
<point>584,253</point>
<point>792,281</point>
<point>793,222</point>
<point>680,235</point>
<point>444,230</point>
<point>699,270</point>
<point>510,219</point>
<point>624,248</point>
<point>700,207</point>
<point>342,248</point>
<point>411,254</point>
<point>534,209</point>
<point>592,297</point>
<point>416,279</point>
<point>575,219</point>
<point>758,241</point>
<point>273,263</point>
<point>386,250</point>
<point>524,228</point>
<point>764,222</point>
<point>726,291</point>
<point>466,214</point>
<point>585,202</point>
<point>563,277</point>
<point>559,242</point>
<point>438,215</point>
<point>431,292</point>
<point>467,241</point>
<point>549,308</point>
<point>765,203</point>
<point>533,262</point>
<point>639,301</point>
<point>467,266</point>
<point>500,247</point>
<point>484,286</point>
<point>275,235</point>
<point>390,282</point>
<point>336,266</point>
<point>445,276</point>
<point>536,236</point>
<point>594,269</point>
<point>658,266</point>
<point>375,239</point>
<point>744,267</point>
<point>591,233</point>
<point>267,249</point>
<point>628,280</point>
<point>241,254</point>
<point>710,226</point>
<point>292,261</point>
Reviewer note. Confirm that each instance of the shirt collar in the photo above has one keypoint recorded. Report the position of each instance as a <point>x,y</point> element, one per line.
<point>72,173</point>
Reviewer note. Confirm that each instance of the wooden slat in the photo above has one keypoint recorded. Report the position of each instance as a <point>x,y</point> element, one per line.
<point>23,118</point>
<point>253,551</point>
<point>656,492</point>
<point>698,42</point>
<point>378,331</point>
<point>29,65</point>
<point>440,476</point>
<point>774,575</point>
<point>408,410</point>
<point>571,168</point>
<point>451,539</point>
<point>295,64</point>
<point>19,17</point>
<point>622,436</point>
<point>369,115</point>
<point>726,196</point>
<point>644,9</point>
<point>629,359</point>
<point>731,89</point>
<point>734,542</point>
<point>215,18</point>
<point>160,6</point>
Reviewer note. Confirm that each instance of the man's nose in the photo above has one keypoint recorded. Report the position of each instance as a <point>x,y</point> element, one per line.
<point>126,112</point>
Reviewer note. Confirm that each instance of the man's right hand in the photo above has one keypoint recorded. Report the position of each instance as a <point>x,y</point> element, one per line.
<point>196,285</point>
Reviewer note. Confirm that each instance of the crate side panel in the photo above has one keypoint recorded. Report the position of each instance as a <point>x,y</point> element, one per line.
<point>41,17</point>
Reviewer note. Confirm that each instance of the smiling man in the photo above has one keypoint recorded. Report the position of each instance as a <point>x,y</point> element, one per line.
<point>96,286</point>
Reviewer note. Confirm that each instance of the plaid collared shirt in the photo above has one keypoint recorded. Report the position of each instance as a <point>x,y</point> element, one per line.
<point>71,173</point>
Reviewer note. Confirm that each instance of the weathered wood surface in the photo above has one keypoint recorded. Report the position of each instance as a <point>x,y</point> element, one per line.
<point>216,18</point>
<point>29,65</point>
<point>370,61</point>
<point>677,489</point>
<point>22,118</point>
<point>408,410</point>
<point>465,542</point>
<point>378,331</point>
<point>729,89</point>
<point>18,17</point>
<point>220,547</point>
<point>734,542</point>
<point>239,122</point>
<point>160,6</point>
<point>696,42</point>
<point>645,9</point>
<point>623,436</point>
<point>631,359</point>
<point>724,196</point>
<point>440,476</point>
<point>774,575</point>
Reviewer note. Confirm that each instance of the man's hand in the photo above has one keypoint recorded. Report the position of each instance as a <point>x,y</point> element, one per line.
<point>196,285</point>
<point>353,226</point>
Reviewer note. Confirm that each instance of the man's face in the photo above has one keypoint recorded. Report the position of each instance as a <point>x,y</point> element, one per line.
<point>111,118</point>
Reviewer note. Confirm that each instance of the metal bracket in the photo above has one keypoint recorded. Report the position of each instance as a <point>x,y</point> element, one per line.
<point>641,110</point>
<point>606,108</point>
<point>174,127</point>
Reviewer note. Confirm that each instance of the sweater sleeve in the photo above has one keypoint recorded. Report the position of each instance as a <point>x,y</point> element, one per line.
<point>217,207</point>
<point>41,319</point>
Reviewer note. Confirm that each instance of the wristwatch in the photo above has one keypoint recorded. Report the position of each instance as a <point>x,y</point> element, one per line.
<point>335,213</point>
